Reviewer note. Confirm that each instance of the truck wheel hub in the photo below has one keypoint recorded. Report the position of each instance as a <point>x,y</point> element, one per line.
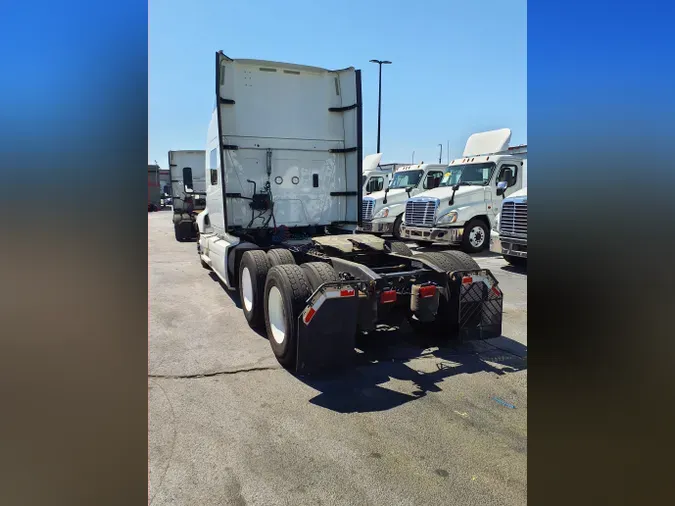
<point>247,289</point>
<point>275,311</point>
<point>476,237</point>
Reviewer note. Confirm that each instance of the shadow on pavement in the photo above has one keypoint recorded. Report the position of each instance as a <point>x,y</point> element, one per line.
<point>516,269</point>
<point>400,356</point>
<point>232,294</point>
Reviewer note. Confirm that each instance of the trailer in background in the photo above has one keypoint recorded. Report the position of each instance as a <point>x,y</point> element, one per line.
<point>188,191</point>
<point>154,189</point>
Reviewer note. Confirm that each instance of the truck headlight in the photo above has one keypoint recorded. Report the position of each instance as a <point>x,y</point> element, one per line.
<point>382,213</point>
<point>447,219</point>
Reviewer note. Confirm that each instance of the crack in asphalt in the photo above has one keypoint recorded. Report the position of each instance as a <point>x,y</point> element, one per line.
<point>211,374</point>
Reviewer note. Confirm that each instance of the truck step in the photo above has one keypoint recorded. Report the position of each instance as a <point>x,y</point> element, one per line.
<point>206,260</point>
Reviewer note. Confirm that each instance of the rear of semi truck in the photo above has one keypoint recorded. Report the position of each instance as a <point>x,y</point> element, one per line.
<point>284,167</point>
<point>188,190</point>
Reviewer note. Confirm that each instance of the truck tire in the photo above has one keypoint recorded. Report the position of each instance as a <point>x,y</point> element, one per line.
<point>318,273</point>
<point>401,248</point>
<point>467,262</point>
<point>476,236</point>
<point>252,274</point>
<point>286,290</point>
<point>450,260</point>
<point>179,229</point>
<point>396,231</point>
<point>183,230</point>
<point>280,257</point>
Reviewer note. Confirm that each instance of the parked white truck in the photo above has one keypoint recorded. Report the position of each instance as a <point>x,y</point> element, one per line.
<point>461,211</point>
<point>187,170</point>
<point>510,237</point>
<point>376,176</point>
<point>284,174</point>
<point>383,210</point>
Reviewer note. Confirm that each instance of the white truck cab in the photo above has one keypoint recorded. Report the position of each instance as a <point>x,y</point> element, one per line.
<point>509,238</point>
<point>372,175</point>
<point>382,211</point>
<point>376,176</point>
<point>462,210</point>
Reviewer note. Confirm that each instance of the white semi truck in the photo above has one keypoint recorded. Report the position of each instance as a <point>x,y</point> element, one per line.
<point>509,238</point>
<point>187,170</point>
<point>383,210</point>
<point>284,176</point>
<point>376,177</point>
<point>461,211</point>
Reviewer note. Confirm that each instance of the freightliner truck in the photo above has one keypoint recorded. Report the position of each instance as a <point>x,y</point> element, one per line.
<point>383,210</point>
<point>461,211</point>
<point>510,238</point>
<point>284,178</point>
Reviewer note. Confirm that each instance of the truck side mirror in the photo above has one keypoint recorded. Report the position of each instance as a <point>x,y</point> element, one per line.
<point>501,187</point>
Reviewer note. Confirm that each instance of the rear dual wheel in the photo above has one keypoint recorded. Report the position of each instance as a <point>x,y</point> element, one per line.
<point>253,270</point>
<point>286,292</point>
<point>400,247</point>
<point>252,274</point>
<point>280,256</point>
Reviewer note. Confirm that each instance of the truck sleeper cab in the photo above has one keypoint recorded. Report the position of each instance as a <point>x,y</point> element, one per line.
<point>278,193</point>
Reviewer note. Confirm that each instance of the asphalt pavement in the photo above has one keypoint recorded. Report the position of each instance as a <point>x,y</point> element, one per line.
<point>413,423</point>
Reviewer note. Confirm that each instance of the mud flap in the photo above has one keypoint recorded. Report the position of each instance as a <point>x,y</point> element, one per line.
<point>326,342</point>
<point>477,302</point>
<point>185,230</point>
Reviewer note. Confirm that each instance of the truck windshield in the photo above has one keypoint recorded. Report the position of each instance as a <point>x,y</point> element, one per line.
<point>407,178</point>
<point>472,174</point>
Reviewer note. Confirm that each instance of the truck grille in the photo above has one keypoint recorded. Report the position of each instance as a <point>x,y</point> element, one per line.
<point>420,212</point>
<point>367,209</point>
<point>513,221</point>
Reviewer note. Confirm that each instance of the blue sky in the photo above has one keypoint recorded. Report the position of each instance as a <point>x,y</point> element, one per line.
<point>458,66</point>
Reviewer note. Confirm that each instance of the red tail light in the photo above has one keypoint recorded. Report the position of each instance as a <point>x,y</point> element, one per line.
<point>427,291</point>
<point>388,296</point>
<point>466,280</point>
<point>347,293</point>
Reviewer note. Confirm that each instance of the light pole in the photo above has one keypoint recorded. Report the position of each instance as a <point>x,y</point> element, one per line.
<point>379,99</point>
<point>412,160</point>
<point>440,155</point>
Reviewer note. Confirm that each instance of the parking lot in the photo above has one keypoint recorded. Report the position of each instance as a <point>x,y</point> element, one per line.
<point>415,422</point>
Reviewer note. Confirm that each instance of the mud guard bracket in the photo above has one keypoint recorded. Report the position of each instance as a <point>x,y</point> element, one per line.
<point>327,342</point>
